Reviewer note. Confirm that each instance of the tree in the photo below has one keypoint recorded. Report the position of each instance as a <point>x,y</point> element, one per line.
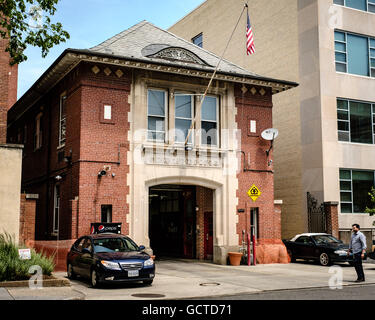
<point>371,211</point>
<point>28,22</point>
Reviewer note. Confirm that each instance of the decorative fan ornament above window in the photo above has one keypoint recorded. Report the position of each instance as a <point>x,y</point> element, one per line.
<point>178,54</point>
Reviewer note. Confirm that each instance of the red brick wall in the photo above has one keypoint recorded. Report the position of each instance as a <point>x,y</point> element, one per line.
<point>8,88</point>
<point>56,249</point>
<point>258,107</point>
<point>91,145</point>
<point>27,219</point>
<point>332,218</point>
<point>107,144</point>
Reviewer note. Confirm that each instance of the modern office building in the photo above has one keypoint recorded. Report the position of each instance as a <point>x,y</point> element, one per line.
<point>325,150</point>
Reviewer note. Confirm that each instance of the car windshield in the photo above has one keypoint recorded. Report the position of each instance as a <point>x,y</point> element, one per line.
<point>114,245</point>
<point>322,239</point>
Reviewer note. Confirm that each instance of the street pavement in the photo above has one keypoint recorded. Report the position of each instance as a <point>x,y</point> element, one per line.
<point>192,279</point>
<point>346,293</point>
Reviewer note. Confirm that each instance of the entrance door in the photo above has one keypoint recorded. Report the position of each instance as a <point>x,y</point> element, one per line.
<point>208,235</point>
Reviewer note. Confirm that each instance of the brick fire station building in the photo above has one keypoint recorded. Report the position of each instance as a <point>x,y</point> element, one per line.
<point>104,131</point>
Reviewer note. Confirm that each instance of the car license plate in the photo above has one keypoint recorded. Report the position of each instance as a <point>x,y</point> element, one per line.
<point>133,273</point>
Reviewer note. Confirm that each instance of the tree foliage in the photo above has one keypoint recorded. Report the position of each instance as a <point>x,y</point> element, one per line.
<point>371,211</point>
<point>28,22</point>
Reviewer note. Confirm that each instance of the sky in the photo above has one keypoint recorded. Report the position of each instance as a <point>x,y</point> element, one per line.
<point>90,22</point>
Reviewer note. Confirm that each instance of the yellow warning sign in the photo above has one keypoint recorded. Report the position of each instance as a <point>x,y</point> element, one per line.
<point>254,192</point>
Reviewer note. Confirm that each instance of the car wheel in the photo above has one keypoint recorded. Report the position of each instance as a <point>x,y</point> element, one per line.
<point>94,279</point>
<point>148,282</point>
<point>324,259</point>
<point>70,272</point>
<point>292,258</point>
<point>351,263</point>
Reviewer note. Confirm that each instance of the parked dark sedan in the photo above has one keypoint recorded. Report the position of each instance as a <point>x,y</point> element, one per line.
<point>109,258</point>
<point>322,247</point>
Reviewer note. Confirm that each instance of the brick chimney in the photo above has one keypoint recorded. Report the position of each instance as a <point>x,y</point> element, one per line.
<point>8,88</point>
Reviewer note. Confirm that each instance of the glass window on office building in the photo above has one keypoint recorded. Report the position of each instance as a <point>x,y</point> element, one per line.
<point>356,121</point>
<point>198,40</point>
<point>354,54</point>
<point>364,5</point>
<point>354,188</point>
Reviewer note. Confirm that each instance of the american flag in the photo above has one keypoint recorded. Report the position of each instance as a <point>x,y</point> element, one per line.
<point>250,38</point>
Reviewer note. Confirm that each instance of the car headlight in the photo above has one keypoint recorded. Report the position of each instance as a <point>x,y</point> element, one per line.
<point>340,252</point>
<point>148,263</point>
<point>110,265</point>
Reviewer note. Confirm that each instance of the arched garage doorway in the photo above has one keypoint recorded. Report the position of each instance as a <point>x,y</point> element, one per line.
<point>181,221</point>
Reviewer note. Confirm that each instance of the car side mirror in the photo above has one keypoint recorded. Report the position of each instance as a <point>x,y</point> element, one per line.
<point>85,250</point>
<point>141,248</point>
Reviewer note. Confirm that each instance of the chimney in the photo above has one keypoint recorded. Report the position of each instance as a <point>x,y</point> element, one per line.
<point>8,88</point>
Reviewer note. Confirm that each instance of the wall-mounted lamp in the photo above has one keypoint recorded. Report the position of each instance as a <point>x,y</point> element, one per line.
<point>58,178</point>
<point>102,173</point>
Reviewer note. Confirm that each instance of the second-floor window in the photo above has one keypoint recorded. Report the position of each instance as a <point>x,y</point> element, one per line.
<point>38,132</point>
<point>354,54</point>
<point>156,114</point>
<point>183,117</point>
<point>364,5</point>
<point>62,121</point>
<point>356,121</point>
<point>209,121</point>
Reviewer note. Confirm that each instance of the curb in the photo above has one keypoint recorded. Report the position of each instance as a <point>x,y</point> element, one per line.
<point>45,283</point>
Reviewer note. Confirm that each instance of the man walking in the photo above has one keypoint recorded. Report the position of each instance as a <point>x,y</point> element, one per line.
<point>358,247</point>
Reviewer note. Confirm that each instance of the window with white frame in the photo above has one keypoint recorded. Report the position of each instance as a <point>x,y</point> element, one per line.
<point>107,115</point>
<point>356,121</point>
<point>62,121</point>
<point>156,114</point>
<point>56,211</point>
<point>209,121</point>
<point>354,54</point>
<point>184,110</point>
<point>364,5</point>
<point>38,132</point>
<point>354,188</point>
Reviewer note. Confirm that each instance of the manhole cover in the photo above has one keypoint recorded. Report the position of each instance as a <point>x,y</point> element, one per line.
<point>148,295</point>
<point>210,284</point>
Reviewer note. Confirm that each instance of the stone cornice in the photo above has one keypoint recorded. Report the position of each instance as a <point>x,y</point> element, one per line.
<point>276,86</point>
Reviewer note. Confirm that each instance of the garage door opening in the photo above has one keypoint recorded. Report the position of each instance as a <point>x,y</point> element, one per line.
<point>172,221</point>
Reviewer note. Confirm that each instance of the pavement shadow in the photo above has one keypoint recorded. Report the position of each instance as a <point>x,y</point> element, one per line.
<point>111,286</point>
<point>316,263</point>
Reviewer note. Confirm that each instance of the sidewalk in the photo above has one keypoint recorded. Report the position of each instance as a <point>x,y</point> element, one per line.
<point>182,279</point>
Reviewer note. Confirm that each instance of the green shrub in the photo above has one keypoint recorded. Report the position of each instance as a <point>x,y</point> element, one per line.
<point>12,268</point>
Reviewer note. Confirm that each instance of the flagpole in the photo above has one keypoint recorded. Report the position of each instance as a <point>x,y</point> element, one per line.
<point>213,75</point>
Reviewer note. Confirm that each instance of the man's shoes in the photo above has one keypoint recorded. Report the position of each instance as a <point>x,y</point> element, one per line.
<point>360,280</point>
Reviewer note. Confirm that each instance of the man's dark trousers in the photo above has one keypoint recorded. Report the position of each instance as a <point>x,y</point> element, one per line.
<point>358,266</point>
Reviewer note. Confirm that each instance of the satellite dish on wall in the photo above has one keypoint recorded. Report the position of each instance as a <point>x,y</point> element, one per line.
<point>270,134</point>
